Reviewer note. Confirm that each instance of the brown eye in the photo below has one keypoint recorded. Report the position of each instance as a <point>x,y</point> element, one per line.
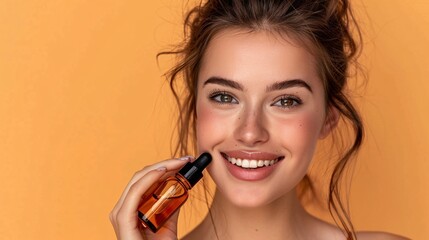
<point>287,102</point>
<point>223,98</point>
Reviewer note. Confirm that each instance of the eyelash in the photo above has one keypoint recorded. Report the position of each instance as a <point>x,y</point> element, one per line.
<point>218,94</point>
<point>215,95</point>
<point>296,101</point>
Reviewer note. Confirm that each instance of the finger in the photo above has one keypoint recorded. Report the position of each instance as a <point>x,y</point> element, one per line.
<point>137,190</point>
<point>171,165</point>
<point>127,215</point>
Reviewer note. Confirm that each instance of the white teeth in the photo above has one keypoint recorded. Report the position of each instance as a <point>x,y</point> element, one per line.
<point>238,163</point>
<point>246,163</point>
<point>253,164</point>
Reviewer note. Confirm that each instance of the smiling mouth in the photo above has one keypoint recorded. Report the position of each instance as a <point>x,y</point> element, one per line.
<point>251,163</point>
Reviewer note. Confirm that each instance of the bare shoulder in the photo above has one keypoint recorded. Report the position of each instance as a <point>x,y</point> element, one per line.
<point>369,235</point>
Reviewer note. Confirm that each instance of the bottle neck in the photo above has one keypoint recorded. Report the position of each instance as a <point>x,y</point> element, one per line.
<point>183,180</point>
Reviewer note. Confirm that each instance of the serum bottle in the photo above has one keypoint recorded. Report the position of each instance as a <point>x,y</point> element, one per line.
<point>162,200</point>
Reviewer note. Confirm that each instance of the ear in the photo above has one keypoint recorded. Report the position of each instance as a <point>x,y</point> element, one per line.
<point>331,121</point>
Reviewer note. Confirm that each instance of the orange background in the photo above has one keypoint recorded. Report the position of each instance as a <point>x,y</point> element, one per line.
<point>83,106</point>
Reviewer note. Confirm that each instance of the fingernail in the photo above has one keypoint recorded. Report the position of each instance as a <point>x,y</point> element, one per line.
<point>186,158</point>
<point>161,169</point>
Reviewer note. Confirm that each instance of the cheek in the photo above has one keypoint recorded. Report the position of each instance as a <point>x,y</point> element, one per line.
<point>210,127</point>
<point>300,133</point>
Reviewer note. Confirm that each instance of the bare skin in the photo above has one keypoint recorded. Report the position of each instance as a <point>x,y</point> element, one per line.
<point>251,119</point>
<point>320,230</point>
<point>259,97</point>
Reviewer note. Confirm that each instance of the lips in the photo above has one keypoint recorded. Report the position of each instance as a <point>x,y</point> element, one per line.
<point>249,165</point>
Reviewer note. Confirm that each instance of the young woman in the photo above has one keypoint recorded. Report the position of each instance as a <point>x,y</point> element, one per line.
<point>265,81</point>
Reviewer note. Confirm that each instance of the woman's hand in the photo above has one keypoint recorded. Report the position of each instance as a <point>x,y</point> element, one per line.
<point>124,215</point>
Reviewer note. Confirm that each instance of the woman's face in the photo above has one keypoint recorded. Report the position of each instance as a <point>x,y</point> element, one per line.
<point>260,112</point>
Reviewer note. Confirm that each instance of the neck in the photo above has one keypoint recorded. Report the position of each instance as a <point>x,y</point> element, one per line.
<point>283,218</point>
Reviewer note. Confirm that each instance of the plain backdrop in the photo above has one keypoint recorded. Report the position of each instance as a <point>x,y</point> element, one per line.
<point>83,105</point>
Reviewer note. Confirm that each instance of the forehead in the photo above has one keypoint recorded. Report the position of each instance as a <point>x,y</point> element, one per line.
<point>240,54</point>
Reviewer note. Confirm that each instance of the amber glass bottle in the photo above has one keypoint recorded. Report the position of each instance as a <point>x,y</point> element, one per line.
<point>159,203</point>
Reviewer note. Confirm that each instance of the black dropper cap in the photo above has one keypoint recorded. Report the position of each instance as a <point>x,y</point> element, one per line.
<point>192,171</point>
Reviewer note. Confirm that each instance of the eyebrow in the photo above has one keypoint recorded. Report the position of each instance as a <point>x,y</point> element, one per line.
<point>288,84</point>
<point>224,82</point>
<point>274,87</point>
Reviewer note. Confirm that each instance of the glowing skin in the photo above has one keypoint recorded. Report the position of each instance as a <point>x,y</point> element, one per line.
<point>260,112</point>
<point>254,116</point>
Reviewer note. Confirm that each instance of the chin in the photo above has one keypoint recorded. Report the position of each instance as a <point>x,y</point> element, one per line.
<point>247,196</point>
<point>249,202</point>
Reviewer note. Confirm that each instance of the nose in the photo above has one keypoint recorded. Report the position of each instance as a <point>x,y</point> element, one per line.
<point>251,129</point>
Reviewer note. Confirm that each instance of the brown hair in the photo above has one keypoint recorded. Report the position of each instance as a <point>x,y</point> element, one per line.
<point>324,24</point>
